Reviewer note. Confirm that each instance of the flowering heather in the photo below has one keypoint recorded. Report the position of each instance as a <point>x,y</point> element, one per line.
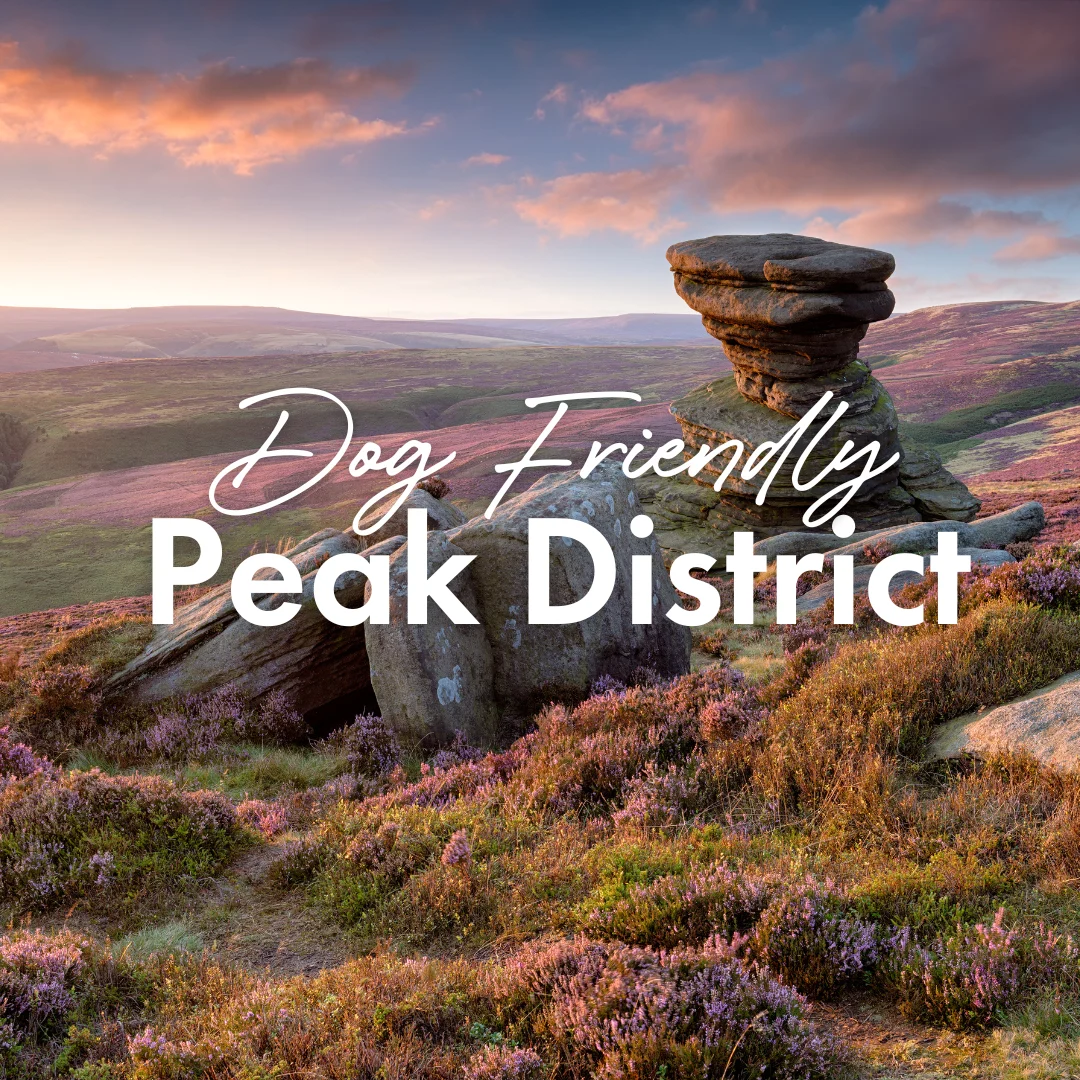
<point>458,851</point>
<point>637,1012</point>
<point>458,752</point>
<point>297,862</point>
<point>62,687</point>
<point>273,721</point>
<point>804,936</point>
<point>36,974</point>
<point>370,745</point>
<point>658,798</point>
<point>268,818</point>
<point>17,760</point>
<point>968,978</point>
<point>504,1063</point>
<point>67,835</point>
<point>197,725</point>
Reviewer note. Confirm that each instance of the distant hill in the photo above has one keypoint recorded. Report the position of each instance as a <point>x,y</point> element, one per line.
<point>42,338</point>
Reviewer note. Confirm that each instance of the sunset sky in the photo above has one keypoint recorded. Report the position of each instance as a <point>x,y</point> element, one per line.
<point>505,158</point>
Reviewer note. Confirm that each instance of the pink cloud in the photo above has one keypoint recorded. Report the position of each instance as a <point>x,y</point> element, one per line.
<point>628,202</point>
<point>892,134</point>
<point>558,95</point>
<point>1039,246</point>
<point>486,159</point>
<point>237,117</point>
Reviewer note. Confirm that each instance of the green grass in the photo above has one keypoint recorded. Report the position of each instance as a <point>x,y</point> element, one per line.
<point>265,772</point>
<point>122,415</point>
<point>956,430</point>
<point>165,939</point>
<point>80,564</point>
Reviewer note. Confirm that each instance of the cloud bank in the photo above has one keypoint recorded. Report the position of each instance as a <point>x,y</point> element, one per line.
<point>241,118</point>
<point>904,132</point>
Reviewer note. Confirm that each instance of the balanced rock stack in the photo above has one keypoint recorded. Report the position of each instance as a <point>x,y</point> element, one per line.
<point>791,311</point>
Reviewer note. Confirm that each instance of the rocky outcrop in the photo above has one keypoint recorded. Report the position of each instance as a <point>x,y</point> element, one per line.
<point>791,311</point>
<point>435,678</point>
<point>1045,724</point>
<point>322,667</point>
<point>936,492</point>
<point>431,680</point>
<point>1020,523</point>
<point>537,663</point>
<point>440,515</point>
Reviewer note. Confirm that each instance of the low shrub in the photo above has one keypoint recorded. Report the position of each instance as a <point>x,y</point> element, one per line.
<point>625,1012</point>
<point>806,936</point>
<point>969,978</point>
<point>878,699</point>
<point>679,909</point>
<point>66,835</point>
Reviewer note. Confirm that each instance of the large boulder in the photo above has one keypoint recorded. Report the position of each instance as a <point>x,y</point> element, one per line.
<point>322,667</point>
<point>1045,723</point>
<point>434,678</point>
<point>534,664</point>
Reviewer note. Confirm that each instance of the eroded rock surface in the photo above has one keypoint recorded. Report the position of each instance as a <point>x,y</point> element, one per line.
<point>790,311</point>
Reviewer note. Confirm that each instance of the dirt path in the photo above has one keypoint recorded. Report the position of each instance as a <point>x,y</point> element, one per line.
<point>245,920</point>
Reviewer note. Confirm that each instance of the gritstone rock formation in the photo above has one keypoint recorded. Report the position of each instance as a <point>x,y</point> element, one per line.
<point>434,678</point>
<point>790,311</point>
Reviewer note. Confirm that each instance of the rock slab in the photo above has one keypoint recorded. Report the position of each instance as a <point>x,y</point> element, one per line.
<point>1045,723</point>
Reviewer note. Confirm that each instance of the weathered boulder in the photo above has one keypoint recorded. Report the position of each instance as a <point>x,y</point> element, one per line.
<point>441,515</point>
<point>1020,523</point>
<point>1045,723</point>
<point>539,663</point>
<point>937,493</point>
<point>435,678</point>
<point>823,593</point>
<point>791,311</point>
<point>987,557</point>
<point>319,665</point>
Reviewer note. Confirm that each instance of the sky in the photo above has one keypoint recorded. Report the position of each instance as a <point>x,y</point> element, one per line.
<point>506,158</point>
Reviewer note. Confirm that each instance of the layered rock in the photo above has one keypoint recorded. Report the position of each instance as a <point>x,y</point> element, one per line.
<point>791,311</point>
<point>321,667</point>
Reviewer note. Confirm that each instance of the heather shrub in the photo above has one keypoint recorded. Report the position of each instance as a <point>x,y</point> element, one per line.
<point>297,862</point>
<point>10,659</point>
<point>678,909</point>
<point>457,753</point>
<point>968,978</point>
<point>627,1012</point>
<point>68,835</point>
<point>274,720</point>
<point>369,744</point>
<point>505,1063</point>
<point>266,818</point>
<point>805,936</point>
<point>199,725</point>
<point>376,1016</point>
<point>1049,576</point>
<point>435,486</point>
<point>879,698</point>
<point>49,980</point>
<point>17,760</point>
<point>584,758</point>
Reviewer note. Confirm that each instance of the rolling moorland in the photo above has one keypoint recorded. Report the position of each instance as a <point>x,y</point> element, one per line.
<point>755,870</point>
<point>992,386</point>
